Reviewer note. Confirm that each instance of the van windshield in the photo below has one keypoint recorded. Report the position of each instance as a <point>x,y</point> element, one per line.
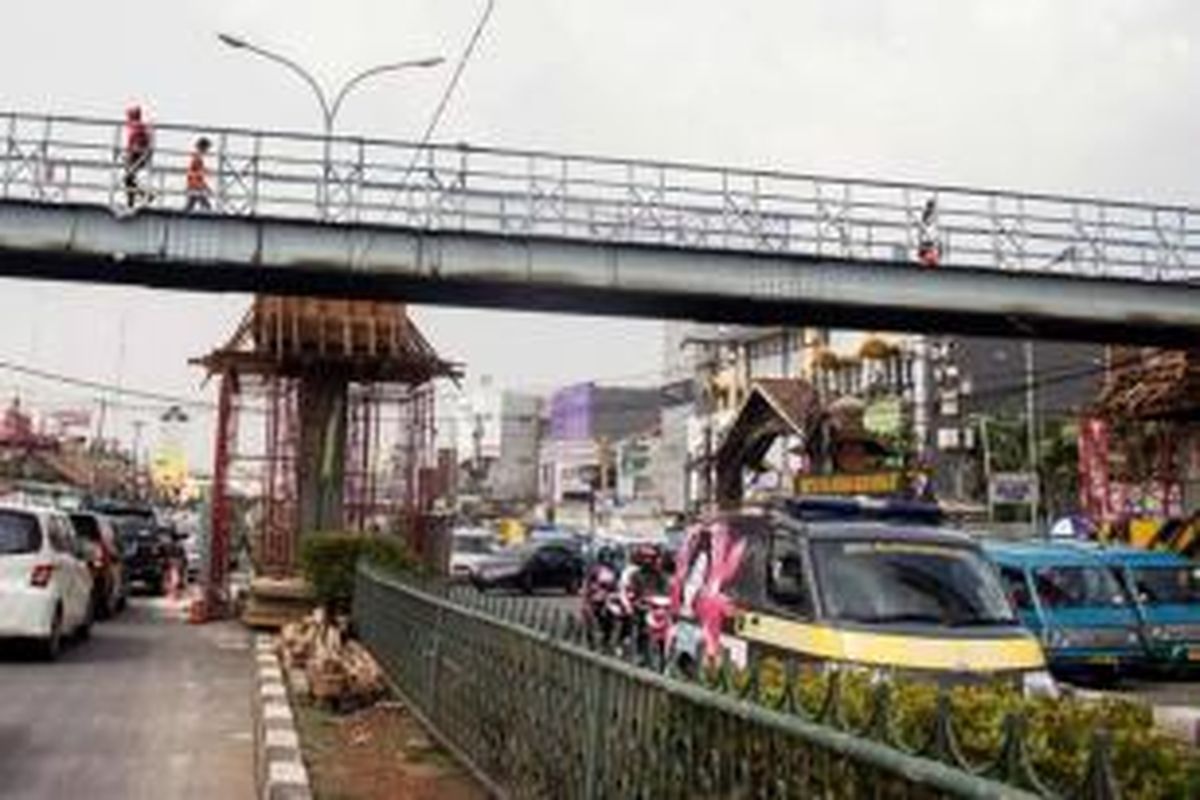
<point>1167,585</point>
<point>19,534</point>
<point>920,582</point>
<point>1077,587</point>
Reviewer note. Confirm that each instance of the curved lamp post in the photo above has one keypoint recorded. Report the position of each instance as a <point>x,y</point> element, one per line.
<point>329,110</point>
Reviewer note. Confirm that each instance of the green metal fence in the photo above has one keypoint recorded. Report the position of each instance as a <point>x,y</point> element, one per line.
<point>516,691</point>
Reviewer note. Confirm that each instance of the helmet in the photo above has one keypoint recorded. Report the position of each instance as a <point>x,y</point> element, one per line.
<point>644,555</point>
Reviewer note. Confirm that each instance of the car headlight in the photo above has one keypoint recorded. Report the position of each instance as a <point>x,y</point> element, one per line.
<point>1162,633</point>
<point>1039,684</point>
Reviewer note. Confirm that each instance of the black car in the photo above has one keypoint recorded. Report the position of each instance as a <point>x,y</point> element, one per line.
<point>149,553</point>
<point>541,565</point>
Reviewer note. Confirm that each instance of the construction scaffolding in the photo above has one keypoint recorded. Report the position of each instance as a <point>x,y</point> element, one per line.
<point>341,397</point>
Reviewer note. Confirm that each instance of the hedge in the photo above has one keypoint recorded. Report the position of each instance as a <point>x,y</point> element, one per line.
<point>328,561</point>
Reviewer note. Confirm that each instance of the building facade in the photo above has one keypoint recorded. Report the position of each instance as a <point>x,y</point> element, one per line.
<point>597,442</point>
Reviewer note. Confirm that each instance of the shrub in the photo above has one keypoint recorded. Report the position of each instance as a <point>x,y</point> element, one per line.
<point>1146,762</point>
<point>328,561</point>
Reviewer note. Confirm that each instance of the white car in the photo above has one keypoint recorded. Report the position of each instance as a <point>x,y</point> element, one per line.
<point>471,549</point>
<point>45,585</point>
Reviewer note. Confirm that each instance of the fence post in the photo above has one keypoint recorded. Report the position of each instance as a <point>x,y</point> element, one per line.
<point>597,703</point>
<point>435,658</point>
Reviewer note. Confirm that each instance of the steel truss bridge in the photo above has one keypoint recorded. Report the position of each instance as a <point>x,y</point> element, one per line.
<point>491,227</point>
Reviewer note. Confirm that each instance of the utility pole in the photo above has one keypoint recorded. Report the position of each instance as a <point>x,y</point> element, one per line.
<point>329,107</point>
<point>138,425</point>
<point>922,397</point>
<point>1031,431</point>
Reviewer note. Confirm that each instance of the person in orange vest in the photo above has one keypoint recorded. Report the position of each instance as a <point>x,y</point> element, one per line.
<point>197,178</point>
<point>138,149</point>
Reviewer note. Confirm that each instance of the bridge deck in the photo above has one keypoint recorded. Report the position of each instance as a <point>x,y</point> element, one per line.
<point>506,228</point>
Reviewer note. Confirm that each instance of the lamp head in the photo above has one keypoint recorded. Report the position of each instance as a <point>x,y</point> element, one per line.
<point>233,41</point>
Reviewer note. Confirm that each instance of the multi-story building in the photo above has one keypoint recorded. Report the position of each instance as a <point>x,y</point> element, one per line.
<point>725,361</point>
<point>591,431</point>
<point>495,434</point>
<point>926,395</point>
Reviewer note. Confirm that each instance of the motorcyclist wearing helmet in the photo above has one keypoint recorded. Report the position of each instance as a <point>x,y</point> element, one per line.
<point>599,588</point>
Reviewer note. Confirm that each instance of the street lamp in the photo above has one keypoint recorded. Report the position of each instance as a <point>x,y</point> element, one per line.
<point>329,110</point>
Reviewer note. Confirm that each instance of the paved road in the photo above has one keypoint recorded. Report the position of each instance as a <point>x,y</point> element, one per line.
<point>149,708</point>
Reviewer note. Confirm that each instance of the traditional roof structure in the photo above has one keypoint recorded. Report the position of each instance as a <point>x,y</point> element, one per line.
<point>1150,384</point>
<point>364,341</point>
<point>787,407</point>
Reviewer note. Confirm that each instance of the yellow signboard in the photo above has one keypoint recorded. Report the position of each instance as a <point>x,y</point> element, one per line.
<point>867,483</point>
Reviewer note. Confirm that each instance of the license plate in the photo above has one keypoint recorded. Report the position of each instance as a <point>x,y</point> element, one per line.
<point>1107,661</point>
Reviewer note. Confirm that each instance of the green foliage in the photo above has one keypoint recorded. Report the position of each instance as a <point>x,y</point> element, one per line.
<point>328,561</point>
<point>1059,733</point>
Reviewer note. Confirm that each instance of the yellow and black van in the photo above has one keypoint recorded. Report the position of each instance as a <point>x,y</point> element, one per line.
<point>877,584</point>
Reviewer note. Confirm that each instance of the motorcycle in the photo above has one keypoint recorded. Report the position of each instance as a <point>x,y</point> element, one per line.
<point>655,629</point>
<point>603,608</point>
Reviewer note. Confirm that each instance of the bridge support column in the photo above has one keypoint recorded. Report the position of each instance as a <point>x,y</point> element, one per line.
<point>321,464</point>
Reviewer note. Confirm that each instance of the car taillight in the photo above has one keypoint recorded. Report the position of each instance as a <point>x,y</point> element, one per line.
<point>40,577</point>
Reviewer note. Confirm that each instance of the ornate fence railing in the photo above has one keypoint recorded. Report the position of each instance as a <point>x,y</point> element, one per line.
<point>356,180</point>
<point>520,692</point>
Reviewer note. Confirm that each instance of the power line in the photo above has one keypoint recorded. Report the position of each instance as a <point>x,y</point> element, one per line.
<point>442,105</point>
<point>109,388</point>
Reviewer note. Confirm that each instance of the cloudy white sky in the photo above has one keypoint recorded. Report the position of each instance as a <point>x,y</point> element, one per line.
<point>1077,96</point>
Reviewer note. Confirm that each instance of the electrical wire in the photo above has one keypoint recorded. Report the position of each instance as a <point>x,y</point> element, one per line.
<point>439,111</point>
<point>1042,378</point>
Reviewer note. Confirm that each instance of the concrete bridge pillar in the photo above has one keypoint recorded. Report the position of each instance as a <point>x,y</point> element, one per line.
<point>321,461</point>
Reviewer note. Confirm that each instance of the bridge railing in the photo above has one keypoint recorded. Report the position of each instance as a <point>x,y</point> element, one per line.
<point>522,695</point>
<point>527,193</point>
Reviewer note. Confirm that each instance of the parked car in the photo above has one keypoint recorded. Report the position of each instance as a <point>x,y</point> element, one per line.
<point>1070,599</point>
<point>1165,588</point>
<point>149,552</point>
<point>530,567</point>
<point>45,586</point>
<point>868,587</point>
<point>470,549</point>
<point>109,589</point>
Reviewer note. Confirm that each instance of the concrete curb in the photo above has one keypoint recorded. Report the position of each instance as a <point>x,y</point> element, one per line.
<point>279,770</point>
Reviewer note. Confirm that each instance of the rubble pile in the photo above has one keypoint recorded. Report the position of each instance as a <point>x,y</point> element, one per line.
<point>339,671</point>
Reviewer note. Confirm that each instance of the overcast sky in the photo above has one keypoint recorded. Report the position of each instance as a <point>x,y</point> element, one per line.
<point>1076,96</point>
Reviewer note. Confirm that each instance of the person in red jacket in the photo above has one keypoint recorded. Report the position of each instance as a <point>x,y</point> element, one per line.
<point>138,149</point>
<point>197,178</point>
<point>929,241</point>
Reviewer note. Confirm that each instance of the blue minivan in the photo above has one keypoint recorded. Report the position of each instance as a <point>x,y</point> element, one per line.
<point>1166,590</point>
<point>1070,598</point>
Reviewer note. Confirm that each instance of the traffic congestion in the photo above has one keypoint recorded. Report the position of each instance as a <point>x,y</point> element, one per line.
<point>885,585</point>
<point>63,569</point>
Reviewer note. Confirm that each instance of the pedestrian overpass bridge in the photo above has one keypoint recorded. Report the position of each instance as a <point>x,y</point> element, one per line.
<point>465,225</point>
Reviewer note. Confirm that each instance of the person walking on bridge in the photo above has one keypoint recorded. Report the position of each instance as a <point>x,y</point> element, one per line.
<point>198,192</point>
<point>929,243</point>
<point>138,149</point>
